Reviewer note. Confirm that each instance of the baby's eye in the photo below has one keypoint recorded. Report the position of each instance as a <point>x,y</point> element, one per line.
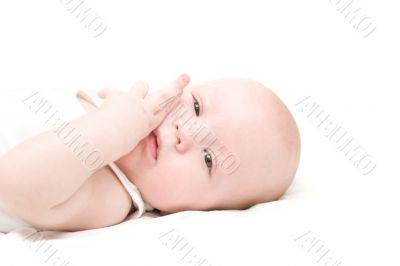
<point>208,159</point>
<point>196,106</point>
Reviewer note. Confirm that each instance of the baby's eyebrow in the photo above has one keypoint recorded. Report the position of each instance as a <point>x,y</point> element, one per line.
<point>207,100</point>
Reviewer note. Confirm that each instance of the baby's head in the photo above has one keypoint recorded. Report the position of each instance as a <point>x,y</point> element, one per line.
<point>228,144</point>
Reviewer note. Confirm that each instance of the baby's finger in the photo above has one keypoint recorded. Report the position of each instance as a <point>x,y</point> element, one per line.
<point>165,99</point>
<point>140,88</point>
<point>104,93</point>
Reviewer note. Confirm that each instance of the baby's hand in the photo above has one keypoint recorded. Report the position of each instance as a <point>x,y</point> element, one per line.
<point>134,114</point>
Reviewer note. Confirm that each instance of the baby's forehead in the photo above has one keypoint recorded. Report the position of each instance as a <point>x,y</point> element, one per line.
<point>232,103</point>
<point>245,91</point>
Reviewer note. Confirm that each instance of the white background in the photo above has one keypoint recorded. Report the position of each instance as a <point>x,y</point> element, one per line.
<point>297,48</point>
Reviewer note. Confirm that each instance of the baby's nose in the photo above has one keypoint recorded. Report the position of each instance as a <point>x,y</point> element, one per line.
<point>178,138</point>
<point>183,139</point>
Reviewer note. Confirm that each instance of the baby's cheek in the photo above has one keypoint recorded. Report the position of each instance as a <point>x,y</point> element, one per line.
<point>171,176</point>
<point>169,185</point>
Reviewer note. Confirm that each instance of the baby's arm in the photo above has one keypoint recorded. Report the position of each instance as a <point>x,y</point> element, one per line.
<point>41,178</point>
<point>43,171</point>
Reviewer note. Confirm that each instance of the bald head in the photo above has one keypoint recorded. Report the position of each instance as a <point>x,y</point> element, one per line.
<point>265,140</point>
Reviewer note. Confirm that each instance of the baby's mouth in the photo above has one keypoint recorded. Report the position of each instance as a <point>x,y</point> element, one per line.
<point>157,150</point>
<point>156,142</point>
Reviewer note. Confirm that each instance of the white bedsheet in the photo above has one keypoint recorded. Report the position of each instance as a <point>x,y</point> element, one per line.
<point>287,232</point>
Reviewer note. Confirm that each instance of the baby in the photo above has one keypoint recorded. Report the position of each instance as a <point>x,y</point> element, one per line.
<point>222,144</point>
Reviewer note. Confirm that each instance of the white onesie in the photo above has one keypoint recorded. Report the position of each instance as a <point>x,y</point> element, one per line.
<point>28,112</point>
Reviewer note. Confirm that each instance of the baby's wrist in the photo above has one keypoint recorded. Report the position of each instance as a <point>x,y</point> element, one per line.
<point>118,130</point>
<point>114,129</point>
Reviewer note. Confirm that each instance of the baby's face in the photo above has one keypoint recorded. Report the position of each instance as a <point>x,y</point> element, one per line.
<point>228,143</point>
